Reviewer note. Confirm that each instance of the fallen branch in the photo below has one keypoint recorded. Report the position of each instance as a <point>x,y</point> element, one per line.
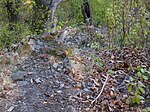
<point>100,91</point>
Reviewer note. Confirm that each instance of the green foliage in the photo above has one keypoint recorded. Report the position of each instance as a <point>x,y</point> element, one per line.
<point>136,86</point>
<point>98,62</point>
<point>94,45</point>
<point>127,23</point>
<point>13,29</point>
<point>16,21</point>
<point>39,18</point>
<point>69,13</point>
<point>6,37</point>
<point>99,10</point>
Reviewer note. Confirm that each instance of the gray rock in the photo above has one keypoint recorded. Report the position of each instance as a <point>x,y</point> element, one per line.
<point>59,91</point>
<point>59,69</point>
<point>18,76</point>
<point>5,104</point>
<point>2,106</point>
<point>70,108</point>
<point>55,65</point>
<point>22,83</point>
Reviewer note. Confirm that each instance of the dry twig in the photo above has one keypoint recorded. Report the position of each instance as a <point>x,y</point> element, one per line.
<point>100,91</point>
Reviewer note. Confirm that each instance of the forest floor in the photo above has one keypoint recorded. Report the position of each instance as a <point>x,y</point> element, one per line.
<point>48,74</point>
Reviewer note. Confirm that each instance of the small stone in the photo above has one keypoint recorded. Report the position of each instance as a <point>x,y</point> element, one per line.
<point>55,65</point>
<point>87,109</point>
<point>59,69</point>
<point>10,109</point>
<point>38,80</point>
<point>69,43</point>
<point>112,94</point>
<point>18,76</point>
<point>61,86</point>
<point>86,90</point>
<point>30,73</point>
<point>59,91</point>
<point>125,96</point>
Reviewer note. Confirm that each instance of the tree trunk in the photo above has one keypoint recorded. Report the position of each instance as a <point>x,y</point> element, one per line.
<point>52,21</point>
<point>86,12</point>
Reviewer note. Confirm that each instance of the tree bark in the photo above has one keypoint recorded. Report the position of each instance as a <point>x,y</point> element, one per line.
<point>52,22</point>
<point>86,12</point>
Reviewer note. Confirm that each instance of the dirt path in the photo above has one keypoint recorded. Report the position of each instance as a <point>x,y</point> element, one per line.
<point>45,87</point>
<point>41,82</point>
<point>59,76</point>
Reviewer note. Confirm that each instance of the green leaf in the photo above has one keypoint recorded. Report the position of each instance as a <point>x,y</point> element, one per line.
<point>133,99</point>
<point>144,77</point>
<point>142,70</point>
<point>139,74</point>
<point>137,91</point>
<point>148,72</point>
<point>138,100</point>
<point>141,97</point>
<point>131,79</point>
<point>142,90</point>
<point>138,68</point>
<point>130,88</point>
<point>140,84</point>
